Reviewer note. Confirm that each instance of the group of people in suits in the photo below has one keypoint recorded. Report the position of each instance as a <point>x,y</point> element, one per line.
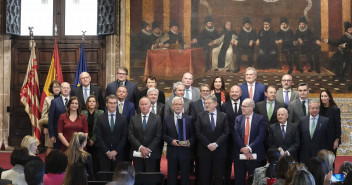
<point>201,132</point>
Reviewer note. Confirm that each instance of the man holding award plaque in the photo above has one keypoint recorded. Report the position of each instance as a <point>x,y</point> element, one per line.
<point>179,134</point>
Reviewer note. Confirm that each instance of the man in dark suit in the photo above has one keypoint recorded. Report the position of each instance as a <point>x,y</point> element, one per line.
<point>198,106</point>
<point>156,107</point>
<point>111,134</point>
<point>252,89</point>
<point>85,89</point>
<point>286,94</point>
<point>249,140</point>
<point>125,108</point>
<point>314,133</point>
<point>232,109</point>
<point>57,107</point>
<point>299,107</point>
<point>132,89</point>
<point>152,83</point>
<point>178,127</point>
<point>269,107</point>
<point>179,90</point>
<point>191,93</point>
<point>212,130</point>
<point>284,135</point>
<point>144,135</point>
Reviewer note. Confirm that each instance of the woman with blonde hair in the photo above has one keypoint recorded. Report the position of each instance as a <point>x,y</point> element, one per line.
<point>76,154</point>
<point>329,158</point>
<point>31,144</point>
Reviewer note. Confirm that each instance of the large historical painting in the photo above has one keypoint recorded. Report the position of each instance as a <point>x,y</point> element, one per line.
<point>167,53</point>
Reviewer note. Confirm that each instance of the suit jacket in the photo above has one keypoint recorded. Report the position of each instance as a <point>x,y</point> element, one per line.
<point>227,108</point>
<point>258,93</point>
<point>256,135</point>
<point>115,140</point>
<point>334,115</point>
<point>57,107</point>
<point>131,89</point>
<point>295,111</point>
<point>206,136</point>
<point>161,97</point>
<point>196,108</point>
<point>260,108</point>
<point>96,90</point>
<point>160,109</point>
<point>170,133</point>
<point>151,138</point>
<point>195,94</point>
<point>280,96</point>
<point>291,142</point>
<point>186,107</point>
<point>311,147</point>
<point>97,114</point>
<point>128,110</point>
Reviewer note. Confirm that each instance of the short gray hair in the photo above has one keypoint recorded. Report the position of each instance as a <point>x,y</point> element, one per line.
<point>252,69</point>
<point>152,89</point>
<point>211,97</point>
<point>286,111</point>
<point>174,87</point>
<point>250,102</point>
<point>313,101</point>
<point>176,98</point>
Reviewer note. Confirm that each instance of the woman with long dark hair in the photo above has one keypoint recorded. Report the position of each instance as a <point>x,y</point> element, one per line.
<point>217,87</point>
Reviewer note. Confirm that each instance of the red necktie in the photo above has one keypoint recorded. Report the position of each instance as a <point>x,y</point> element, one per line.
<point>246,133</point>
<point>251,92</point>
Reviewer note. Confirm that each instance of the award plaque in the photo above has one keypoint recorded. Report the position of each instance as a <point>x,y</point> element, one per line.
<point>182,136</point>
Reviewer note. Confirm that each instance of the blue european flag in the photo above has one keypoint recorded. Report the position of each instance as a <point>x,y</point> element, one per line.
<point>82,67</point>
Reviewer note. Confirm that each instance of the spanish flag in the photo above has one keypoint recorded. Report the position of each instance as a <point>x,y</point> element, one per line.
<point>54,73</point>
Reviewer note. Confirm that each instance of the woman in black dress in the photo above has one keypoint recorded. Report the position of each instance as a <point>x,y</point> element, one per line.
<point>217,88</point>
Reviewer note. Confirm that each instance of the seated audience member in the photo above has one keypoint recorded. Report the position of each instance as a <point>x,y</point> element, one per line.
<point>319,169</point>
<point>346,167</point>
<point>124,167</point>
<point>123,179</point>
<point>260,174</point>
<point>18,159</point>
<point>76,175</point>
<point>76,154</point>
<point>55,166</point>
<point>152,83</point>
<point>34,172</point>
<point>329,158</point>
<point>294,167</point>
<point>30,143</point>
<point>303,177</point>
<point>282,168</point>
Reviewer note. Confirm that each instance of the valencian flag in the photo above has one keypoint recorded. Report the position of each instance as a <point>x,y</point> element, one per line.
<point>82,67</point>
<point>30,91</point>
<point>55,73</point>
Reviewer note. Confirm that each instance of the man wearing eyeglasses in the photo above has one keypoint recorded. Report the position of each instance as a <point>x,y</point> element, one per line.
<point>248,137</point>
<point>198,106</point>
<point>131,87</point>
<point>286,94</point>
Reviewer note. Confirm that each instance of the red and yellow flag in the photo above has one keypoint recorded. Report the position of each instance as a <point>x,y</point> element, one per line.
<point>30,91</point>
<point>54,73</point>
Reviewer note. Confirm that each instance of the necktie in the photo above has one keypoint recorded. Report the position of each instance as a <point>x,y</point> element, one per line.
<point>187,93</point>
<point>283,131</point>
<point>85,94</point>
<point>251,92</point>
<point>144,124</point>
<point>287,101</point>
<point>304,108</point>
<point>66,101</point>
<point>212,122</point>
<point>120,108</point>
<point>312,128</point>
<point>246,133</point>
<point>153,109</point>
<point>122,84</point>
<point>112,123</point>
<point>270,112</point>
<point>235,109</point>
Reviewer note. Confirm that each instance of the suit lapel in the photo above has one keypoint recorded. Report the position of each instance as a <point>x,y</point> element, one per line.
<point>317,127</point>
<point>278,130</point>
<point>149,122</point>
<point>243,126</point>
<point>245,90</point>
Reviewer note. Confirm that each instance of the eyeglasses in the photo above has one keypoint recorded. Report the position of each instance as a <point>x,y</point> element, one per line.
<point>122,74</point>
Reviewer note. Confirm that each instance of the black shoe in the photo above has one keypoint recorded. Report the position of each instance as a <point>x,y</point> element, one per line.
<point>300,70</point>
<point>290,71</point>
<point>311,69</point>
<point>237,70</point>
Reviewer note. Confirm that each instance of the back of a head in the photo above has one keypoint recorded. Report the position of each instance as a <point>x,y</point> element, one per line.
<point>318,167</point>
<point>19,156</point>
<point>124,179</point>
<point>303,177</point>
<point>76,175</point>
<point>273,156</point>
<point>292,170</point>
<point>55,162</point>
<point>34,172</point>
<point>283,165</point>
<point>124,167</point>
<point>329,158</point>
<point>346,167</point>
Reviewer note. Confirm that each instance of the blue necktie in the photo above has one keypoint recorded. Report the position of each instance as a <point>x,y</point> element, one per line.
<point>112,124</point>
<point>283,131</point>
<point>212,122</point>
<point>66,101</point>
<point>144,124</point>
<point>287,101</point>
